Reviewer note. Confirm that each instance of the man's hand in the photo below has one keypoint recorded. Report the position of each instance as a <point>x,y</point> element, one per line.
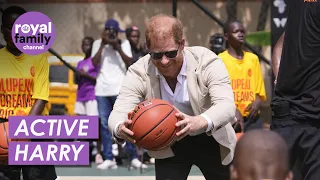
<point>82,72</point>
<point>115,43</point>
<point>253,108</point>
<point>190,125</point>
<point>124,132</point>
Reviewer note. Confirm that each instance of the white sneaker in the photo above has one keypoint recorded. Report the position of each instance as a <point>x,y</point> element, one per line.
<point>152,160</point>
<point>107,164</point>
<point>115,150</point>
<point>137,164</point>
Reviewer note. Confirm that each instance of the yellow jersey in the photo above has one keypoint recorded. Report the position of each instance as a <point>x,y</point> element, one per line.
<point>246,79</point>
<point>23,79</point>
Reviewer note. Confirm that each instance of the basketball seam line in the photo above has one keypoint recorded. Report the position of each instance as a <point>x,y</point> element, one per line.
<point>155,126</point>
<point>171,139</point>
<point>144,112</point>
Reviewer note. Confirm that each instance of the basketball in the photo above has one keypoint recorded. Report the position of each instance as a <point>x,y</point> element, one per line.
<point>4,140</point>
<point>153,124</point>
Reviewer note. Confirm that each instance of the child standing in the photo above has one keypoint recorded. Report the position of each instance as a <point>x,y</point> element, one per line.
<point>133,35</point>
<point>86,103</point>
<point>25,93</point>
<point>246,77</point>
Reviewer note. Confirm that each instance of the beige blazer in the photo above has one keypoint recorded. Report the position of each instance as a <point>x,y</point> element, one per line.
<point>210,93</point>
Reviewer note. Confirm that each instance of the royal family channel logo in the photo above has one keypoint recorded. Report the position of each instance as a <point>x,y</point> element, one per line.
<point>33,33</point>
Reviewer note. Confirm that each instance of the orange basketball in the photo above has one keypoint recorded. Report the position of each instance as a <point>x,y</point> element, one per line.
<point>153,124</point>
<point>4,140</point>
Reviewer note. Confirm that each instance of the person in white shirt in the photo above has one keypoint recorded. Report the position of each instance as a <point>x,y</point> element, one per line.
<point>114,57</point>
<point>196,82</point>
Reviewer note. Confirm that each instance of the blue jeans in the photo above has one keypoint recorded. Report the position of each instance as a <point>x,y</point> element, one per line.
<point>105,106</point>
<point>131,150</point>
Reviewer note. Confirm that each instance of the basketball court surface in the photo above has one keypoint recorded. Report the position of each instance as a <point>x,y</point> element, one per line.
<point>122,173</point>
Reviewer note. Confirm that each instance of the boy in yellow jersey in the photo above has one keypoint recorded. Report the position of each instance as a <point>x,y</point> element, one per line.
<point>24,90</point>
<point>246,77</point>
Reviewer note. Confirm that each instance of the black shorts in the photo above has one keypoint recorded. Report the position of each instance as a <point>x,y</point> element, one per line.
<point>8,172</point>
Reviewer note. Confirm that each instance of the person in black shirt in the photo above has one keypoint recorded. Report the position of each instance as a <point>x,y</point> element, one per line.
<point>296,104</point>
<point>133,35</point>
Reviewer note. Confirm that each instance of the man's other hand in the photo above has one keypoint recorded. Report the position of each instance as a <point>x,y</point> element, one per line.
<point>124,132</point>
<point>115,44</point>
<point>190,125</point>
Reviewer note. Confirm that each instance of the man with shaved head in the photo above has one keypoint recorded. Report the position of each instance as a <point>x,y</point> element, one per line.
<point>196,82</point>
<point>261,155</point>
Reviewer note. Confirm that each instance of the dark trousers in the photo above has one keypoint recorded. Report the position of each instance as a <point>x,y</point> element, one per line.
<point>303,140</point>
<point>8,172</point>
<point>202,151</point>
<point>255,123</point>
<point>28,172</point>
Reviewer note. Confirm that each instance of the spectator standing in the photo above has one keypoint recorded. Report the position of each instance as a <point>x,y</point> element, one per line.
<point>114,56</point>
<point>86,103</point>
<point>246,77</point>
<point>133,35</point>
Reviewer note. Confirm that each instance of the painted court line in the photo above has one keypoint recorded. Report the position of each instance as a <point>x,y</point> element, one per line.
<point>119,178</point>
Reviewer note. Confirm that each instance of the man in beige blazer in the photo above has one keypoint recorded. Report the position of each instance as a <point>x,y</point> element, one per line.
<point>196,82</point>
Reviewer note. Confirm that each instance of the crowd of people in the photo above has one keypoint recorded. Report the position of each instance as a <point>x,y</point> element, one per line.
<point>217,92</point>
